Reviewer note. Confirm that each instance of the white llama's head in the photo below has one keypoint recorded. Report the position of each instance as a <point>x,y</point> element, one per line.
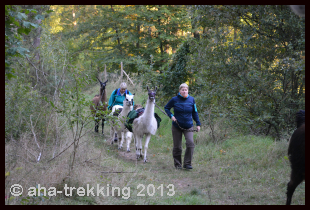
<point>128,100</point>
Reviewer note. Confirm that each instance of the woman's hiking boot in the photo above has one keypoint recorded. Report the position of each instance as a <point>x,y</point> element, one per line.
<point>188,167</point>
<point>178,167</point>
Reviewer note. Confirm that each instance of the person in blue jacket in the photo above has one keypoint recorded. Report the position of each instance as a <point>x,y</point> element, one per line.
<point>117,97</point>
<point>184,112</point>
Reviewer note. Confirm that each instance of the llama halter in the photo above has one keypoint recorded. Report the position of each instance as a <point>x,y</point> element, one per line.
<point>152,94</point>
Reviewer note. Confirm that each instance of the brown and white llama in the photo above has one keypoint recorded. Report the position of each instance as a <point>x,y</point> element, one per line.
<point>118,125</point>
<point>145,125</point>
<point>99,104</point>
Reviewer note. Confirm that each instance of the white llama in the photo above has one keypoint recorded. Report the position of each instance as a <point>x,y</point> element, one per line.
<point>145,125</point>
<point>118,125</point>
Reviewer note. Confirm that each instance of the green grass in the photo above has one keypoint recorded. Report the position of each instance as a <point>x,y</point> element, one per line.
<point>244,170</point>
<point>240,170</point>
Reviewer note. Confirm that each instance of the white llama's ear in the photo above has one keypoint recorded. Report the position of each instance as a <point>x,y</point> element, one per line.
<point>133,94</point>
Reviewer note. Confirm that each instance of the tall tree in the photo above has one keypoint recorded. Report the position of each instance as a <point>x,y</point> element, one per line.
<point>16,26</point>
<point>257,80</point>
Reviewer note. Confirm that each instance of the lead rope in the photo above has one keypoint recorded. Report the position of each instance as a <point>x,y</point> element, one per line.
<point>161,109</point>
<point>189,130</point>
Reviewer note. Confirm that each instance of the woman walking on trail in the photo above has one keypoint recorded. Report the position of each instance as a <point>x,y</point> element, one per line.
<point>184,112</point>
<point>117,97</point>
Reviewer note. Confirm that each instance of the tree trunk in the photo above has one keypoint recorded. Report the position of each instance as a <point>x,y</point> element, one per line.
<point>138,34</point>
<point>35,36</point>
<point>217,30</point>
<point>205,32</point>
<point>116,31</point>
<point>36,42</point>
<point>196,33</point>
<point>158,36</point>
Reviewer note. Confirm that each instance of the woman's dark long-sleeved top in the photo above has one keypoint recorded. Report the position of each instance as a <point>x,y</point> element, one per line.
<point>184,111</point>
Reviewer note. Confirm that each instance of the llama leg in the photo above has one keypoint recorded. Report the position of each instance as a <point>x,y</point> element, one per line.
<point>128,140</point>
<point>120,139</point>
<point>112,133</point>
<point>140,145</point>
<point>136,144</point>
<point>102,126</point>
<point>115,138</point>
<point>138,139</point>
<point>96,126</point>
<point>296,179</point>
<point>147,140</point>
<point>134,141</point>
<point>138,148</point>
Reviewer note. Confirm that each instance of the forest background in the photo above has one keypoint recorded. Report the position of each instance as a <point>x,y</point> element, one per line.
<point>244,64</point>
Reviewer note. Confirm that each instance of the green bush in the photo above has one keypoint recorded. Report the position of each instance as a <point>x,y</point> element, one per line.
<point>20,103</point>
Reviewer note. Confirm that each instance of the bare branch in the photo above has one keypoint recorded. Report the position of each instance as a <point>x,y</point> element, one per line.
<point>61,152</point>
